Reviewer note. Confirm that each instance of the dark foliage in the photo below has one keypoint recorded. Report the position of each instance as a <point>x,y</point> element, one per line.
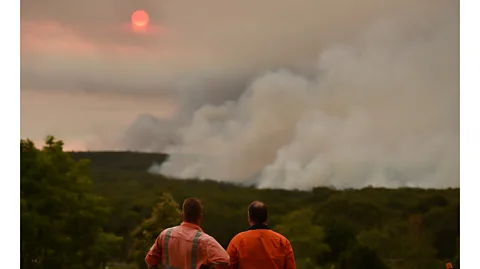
<point>69,221</point>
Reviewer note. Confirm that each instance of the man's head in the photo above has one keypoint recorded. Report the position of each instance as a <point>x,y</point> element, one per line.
<point>192,211</point>
<point>257,213</point>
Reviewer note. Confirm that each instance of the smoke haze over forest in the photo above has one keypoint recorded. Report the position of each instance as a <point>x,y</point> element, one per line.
<point>283,94</point>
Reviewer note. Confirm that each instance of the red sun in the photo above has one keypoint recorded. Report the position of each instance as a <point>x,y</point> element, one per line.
<point>140,18</point>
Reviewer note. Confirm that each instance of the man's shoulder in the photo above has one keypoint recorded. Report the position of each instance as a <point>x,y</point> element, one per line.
<point>281,236</point>
<point>238,237</point>
<point>207,239</point>
<point>205,236</point>
<point>167,230</point>
<point>277,235</point>
<point>249,233</point>
<point>241,235</point>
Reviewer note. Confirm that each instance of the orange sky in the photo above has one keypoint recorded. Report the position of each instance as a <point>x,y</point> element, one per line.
<point>85,120</point>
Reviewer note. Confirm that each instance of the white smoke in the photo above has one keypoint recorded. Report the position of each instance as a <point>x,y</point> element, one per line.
<point>381,111</point>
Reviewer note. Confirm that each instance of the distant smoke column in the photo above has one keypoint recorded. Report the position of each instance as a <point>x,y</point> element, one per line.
<point>382,112</point>
<point>148,133</point>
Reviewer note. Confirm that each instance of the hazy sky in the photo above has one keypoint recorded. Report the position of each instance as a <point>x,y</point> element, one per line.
<point>87,77</point>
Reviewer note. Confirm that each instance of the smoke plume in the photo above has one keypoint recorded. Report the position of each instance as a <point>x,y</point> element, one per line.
<point>381,110</point>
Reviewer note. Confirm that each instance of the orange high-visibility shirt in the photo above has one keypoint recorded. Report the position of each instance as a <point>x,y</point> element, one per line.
<point>260,248</point>
<point>186,247</point>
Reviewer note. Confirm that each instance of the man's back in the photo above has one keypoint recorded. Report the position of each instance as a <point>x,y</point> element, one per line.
<point>186,246</point>
<point>261,248</point>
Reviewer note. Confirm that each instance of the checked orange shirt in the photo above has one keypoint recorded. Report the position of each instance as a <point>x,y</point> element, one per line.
<point>186,247</point>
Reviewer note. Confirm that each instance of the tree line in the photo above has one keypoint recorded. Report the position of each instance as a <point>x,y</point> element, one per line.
<point>102,209</point>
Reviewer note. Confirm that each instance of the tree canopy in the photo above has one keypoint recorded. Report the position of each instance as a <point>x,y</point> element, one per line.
<point>165,214</point>
<point>62,218</point>
<point>90,209</point>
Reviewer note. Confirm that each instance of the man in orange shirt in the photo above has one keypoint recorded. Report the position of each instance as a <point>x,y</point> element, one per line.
<point>186,246</point>
<point>259,247</point>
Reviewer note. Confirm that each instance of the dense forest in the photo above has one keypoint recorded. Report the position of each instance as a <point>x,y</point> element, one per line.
<point>103,209</point>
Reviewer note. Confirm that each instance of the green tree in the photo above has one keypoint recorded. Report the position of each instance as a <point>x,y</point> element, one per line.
<point>339,238</point>
<point>165,214</point>
<point>360,257</point>
<point>444,224</point>
<point>306,238</point>
<point>357,215</point>
<point>399,248</point>
<point>61,219</point>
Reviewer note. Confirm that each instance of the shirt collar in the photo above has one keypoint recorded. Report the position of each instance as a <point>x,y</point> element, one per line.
<point>191,225</point>
<point>258,227</point>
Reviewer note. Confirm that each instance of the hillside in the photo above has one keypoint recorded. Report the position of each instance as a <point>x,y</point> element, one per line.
<point>119,160</point>
<point>376,217</point>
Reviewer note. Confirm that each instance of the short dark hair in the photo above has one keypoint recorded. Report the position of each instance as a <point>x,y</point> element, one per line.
<point>258,212</point>
<point>192,210</point>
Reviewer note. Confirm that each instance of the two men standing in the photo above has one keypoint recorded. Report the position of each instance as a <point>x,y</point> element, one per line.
<point>188,247</point>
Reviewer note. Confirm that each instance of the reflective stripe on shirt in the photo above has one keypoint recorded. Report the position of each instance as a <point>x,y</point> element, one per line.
<point>193,263</point>
<point>194,254</point>
<point>165,247</point>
